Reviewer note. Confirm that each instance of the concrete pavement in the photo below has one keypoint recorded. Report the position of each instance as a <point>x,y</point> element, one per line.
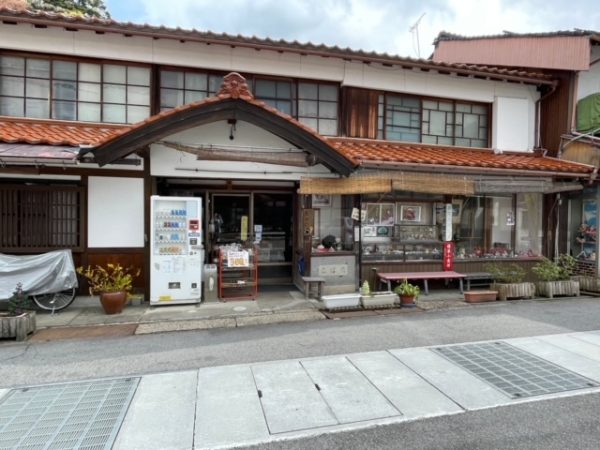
<point>238,405</point>
<point>272,306</point>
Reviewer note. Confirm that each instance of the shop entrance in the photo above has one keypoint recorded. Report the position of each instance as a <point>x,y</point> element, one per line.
<point>263,218</point>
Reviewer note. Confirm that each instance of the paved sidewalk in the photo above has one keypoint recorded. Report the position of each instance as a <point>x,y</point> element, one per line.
<point>223,407</point>
<point>276,306</point>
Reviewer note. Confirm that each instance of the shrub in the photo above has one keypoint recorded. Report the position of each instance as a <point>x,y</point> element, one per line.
<point>19,301</point>
<point>112,278</point>
<point>506,273</point>
<point>561,269</point>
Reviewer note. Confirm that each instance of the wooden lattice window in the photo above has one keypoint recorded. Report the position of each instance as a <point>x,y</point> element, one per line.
<point>40,218</point>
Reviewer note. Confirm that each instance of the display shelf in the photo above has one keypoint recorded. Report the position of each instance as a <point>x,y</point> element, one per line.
<point>409,243</point>
<point>238,273</point>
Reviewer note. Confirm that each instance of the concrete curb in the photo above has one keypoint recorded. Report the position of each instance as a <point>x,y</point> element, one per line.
<point>228,322</point>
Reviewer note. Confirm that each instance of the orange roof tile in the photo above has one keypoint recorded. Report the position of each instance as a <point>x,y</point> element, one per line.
<point>53,132</point>
<point>367,152</point>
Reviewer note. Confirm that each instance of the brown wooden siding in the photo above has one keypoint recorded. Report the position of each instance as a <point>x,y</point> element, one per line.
<point>555,113</point>
<point>367,271</point>
<point>126,257</point>
<point>359,113</point>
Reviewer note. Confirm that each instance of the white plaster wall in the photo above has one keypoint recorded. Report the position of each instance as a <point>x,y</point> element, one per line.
<point>115,212</point>
<point>513,124</point>
<point>165,161</point>
<point>589,80</point>
<point>218,57</point>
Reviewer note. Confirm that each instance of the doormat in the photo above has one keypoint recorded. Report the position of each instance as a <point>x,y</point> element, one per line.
<point>61,333</point>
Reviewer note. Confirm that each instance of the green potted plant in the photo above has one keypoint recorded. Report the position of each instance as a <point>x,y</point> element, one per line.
<point>555,277</point>
<point>113,282</point>
<point>407,293</point>
<point>509,281</point>
<point>17,322</point>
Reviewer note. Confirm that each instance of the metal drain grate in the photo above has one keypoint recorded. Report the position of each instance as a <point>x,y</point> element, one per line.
<point>66,416</point>
<point>515,372</point>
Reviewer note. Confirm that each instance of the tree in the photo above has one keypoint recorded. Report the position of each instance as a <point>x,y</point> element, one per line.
<point>85,8</point>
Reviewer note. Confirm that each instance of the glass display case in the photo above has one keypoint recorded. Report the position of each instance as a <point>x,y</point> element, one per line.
<point>408,243</point>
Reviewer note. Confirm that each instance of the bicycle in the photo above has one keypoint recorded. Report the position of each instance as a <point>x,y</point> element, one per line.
<point>50,279</point>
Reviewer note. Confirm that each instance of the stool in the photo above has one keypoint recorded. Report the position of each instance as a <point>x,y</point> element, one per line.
<point>309,282</point>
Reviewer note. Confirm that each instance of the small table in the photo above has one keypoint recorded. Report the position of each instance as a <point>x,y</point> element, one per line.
<point>308,283</point>
<point>424,276</point>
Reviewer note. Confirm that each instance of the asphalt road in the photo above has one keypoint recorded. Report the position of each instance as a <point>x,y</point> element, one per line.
<point>565,423</point>
<point>46,362</point>
<point>560,424</point>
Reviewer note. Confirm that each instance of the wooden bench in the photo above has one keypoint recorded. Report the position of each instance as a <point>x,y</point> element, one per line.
<point>309,282</point>
<point>387,278</point>
<point>478,279</point>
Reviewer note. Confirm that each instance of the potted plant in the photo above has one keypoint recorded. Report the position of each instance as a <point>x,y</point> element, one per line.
<point>407,293</point>
<point>17,322</point>
<point>113,282</point>
<point>555,277</point>
<point>376,299</point>
<point>509,281</point>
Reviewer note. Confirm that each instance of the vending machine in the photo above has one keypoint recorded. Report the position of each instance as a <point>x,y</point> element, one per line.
<point>176,250</point>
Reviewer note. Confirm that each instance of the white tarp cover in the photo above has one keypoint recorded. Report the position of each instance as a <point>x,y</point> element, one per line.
<point>39,274</point>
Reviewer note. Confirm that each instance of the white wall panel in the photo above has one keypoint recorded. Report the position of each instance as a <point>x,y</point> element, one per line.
<point>115,212</point>
<point>589,81</point>
<point>165,161</point>
<point>512,123</point>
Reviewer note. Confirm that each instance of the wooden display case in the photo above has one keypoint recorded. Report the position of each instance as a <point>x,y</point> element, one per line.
<point>238,274</point>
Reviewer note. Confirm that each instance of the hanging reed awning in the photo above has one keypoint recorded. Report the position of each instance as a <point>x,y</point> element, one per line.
<point>433,183</point>
<point>425,182</point>
<point>350,185</point>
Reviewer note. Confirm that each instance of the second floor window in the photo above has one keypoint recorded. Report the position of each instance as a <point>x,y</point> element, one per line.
<point>179,87</point>
<point>312,103</point>
<point>68,90</point>
<point>445,122</point>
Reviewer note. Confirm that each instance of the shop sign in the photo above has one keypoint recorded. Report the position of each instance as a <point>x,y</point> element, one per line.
<point>448,261</point>
<point>238,259</point>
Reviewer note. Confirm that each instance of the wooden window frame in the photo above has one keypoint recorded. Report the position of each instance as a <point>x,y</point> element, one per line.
<point>184,70</point>
<point>22,226</point>
<point>100,62</point>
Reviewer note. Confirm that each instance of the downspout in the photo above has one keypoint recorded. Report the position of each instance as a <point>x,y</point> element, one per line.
<point>538,104</point>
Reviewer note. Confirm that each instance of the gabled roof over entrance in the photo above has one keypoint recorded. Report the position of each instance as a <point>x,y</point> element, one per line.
<point>233,102</point>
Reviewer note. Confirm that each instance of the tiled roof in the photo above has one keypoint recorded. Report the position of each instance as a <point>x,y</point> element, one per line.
<point>446,36</point>
<point>53,132</point>
<point>370,152</point>
<point>161,32</point>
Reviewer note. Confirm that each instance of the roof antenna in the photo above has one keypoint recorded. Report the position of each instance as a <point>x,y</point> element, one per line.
<point>414,29</point>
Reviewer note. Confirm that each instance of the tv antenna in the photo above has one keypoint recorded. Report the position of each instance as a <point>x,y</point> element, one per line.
<point>414,29</point>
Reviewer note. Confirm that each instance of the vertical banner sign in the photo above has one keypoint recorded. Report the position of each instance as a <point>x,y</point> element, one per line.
<point>244,229</point>
<point>448,223</point>
<point>448,262</point>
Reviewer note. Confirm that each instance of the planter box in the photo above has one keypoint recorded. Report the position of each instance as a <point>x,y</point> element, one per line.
<point>564,287</point>
<point>480,296</point>
<point>379,300</point>
<point>587,283</point>
<point>17,327</point>
<point>514,290</point>
<point>341,301</point>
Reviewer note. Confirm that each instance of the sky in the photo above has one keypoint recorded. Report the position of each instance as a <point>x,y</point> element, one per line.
<point>383,26</point>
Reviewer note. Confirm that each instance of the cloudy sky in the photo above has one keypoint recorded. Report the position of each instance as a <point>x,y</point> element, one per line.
<point>380,25</point>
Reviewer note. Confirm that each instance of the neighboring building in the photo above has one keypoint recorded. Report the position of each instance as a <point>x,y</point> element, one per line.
<point>569,115</point>
<point>309,142</point>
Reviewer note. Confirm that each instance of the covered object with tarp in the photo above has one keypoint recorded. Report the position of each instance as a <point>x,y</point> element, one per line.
<point>39,274</point>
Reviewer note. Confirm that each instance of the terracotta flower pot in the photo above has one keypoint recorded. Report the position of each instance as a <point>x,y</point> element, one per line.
<point>407,301</point>
<point>113,302</point>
